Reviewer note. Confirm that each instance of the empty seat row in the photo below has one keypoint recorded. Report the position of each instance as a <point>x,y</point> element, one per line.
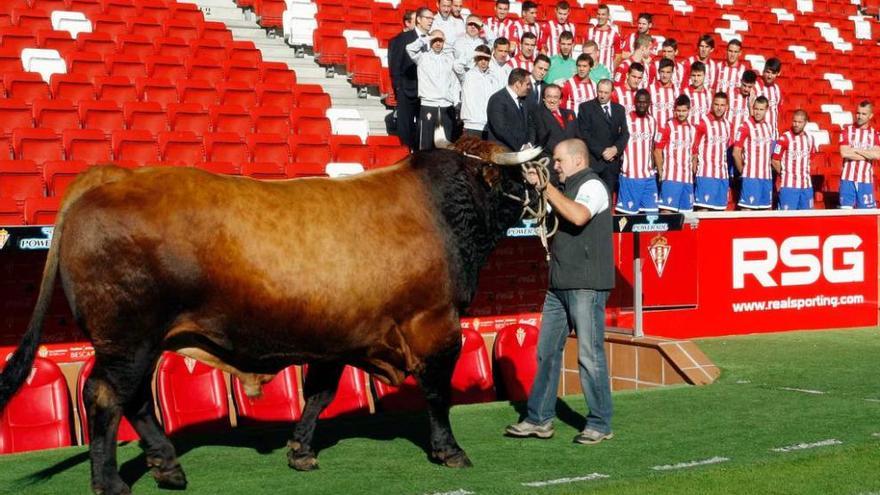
<point>193,397</point>
<point>108,17</point>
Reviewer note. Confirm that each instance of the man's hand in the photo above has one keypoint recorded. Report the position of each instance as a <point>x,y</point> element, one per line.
<point>532,177</point>
<point>609,153</point>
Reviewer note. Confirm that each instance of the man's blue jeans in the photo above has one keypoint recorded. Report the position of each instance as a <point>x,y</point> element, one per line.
<point>584,310</point>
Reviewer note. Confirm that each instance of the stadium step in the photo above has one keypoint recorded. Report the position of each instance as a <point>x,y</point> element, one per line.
<point>244,27</point>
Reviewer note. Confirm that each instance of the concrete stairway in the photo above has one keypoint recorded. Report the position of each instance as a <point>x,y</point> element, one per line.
<point>244,26</point>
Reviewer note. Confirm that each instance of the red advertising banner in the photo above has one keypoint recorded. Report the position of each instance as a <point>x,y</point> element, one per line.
<point>777,273</point>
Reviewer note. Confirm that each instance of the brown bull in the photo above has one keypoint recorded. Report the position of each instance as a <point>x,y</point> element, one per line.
<point>252,277</point>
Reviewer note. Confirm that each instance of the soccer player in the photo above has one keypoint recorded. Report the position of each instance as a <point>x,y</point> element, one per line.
<point>751,155</point>
<point>741,101</point>
<point>527,23</point>
<point>499,25</point>
<point>641,56</point>
<point>638,181</point>
<point>710,157</point>
<point>672,156</point>
<point>525,58</point>
<point>767,86</point>
<point>859,147</point>
<point>552,29</point>
<point>664,93</point>
<point>606,36</point>
<point>791,159</point>
<point>599,71</point>
<point>705,47</point>
<point>729,73</point>
<point>562,66</point>
<point>701,98</point>
<point>625,95</point>
<point>500,54</point>
<point>670,52</point>
<point>579,88</point>
<point>643,26</point>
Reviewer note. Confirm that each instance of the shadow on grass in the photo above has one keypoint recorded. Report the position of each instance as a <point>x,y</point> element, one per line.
<point>564,413</point>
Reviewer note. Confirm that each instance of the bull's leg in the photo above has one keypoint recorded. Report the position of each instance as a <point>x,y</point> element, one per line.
<point>319,390</point>
<point>435,380</point>
<point>161,457</point>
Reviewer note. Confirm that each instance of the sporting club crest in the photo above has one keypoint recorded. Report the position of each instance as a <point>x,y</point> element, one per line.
<point>659,249</point>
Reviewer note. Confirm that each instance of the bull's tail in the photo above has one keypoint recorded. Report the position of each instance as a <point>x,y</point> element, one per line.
<point>19,365</point>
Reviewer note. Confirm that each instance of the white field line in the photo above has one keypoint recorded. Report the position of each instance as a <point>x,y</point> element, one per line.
<point>803,390</point>
<point>743,382</point>
<point>872,400</point>
<point>683,465</point>
<point>560,481</point>
<point>876,434</point>
<point>804,446</point>
<point>460,491</point>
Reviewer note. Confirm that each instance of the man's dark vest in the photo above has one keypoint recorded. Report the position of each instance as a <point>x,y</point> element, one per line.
<point>582,257</point>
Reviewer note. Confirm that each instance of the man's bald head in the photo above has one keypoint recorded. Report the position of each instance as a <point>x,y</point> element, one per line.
<point>570,157</point>
<point>574,147</point>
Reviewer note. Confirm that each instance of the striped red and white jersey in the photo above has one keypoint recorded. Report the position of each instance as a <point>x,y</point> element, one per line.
<point>626,97</point>
<point>608,39</point>
<point>794,153</point>
<point>676,139</point>
<point>710,145</point>
<point>701,103</point>
<point>576,91</point>
<point>518,28</point>
<point>755,139</point>
<point>493,28</point>
<point>628,44</point>
<point>859,170</point>
<point>621,73</point>
<point>550,32</point>
<point>711,71</point>
<point>638,158</point>
<point>728,77</point>
<point>662,102</point>
<point>520,62</point>
<point>740,109</point>
<point>677,74</point>
<point>774,95</point>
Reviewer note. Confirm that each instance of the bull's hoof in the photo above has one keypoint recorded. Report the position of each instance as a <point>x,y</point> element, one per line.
<point>302,461</point>
<point>116,488</point>
<point>456,459</point>
<point>170,479</point>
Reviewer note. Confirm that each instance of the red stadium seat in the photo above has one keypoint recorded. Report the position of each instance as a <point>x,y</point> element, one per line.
<point>271,119</point>
<point>10,59</point>
<point>134,44</point>
<point>230,118</point>
<point>310,149</point>
<point>41,211</point>
<point>38,416</point>
<point>516,347</point>
<point>115,89</point>
<point>88,145</point>
<point>275,95</point>
<point>269,148</point>
<point>306,169</point>
<point>227,147</point>
<point>17,38</point>
<point>11,213</point>
<point>39,145</point>
<point>191,395</point>
<point>197,91</point>
<point>270,12</point>
<point>387,150</point>
<point>98,42</point>
<point>154,9</point>
<point>103,115</point>
<point>279,402</point>
<point>351,152</point>
<point>352,395</point>
<point>264,170</point>
<point>88,64</point>
<point>277,73</point>
<point>226,168</point>
<point>32,19</point>
<point>14,113</point>
<point>181,148</point>
<point>148,116</point>
<point>179,28</point>
<point>138,147</point>
<point>189,117</point>
<point>55,40</point>
<point>242,71</point>
<point>27,86</point>
<point>20,179</point>
<point>73,87</point>
<point>208,50</point>
<point>302,122</point>
<point>237,93</point>
<point>311,96</point>
<point>122,8</point>
<point>56,114</point>
<point>205,70</point>
<point>124,65</point>
<point>171,47</point>
<point>165,67</point>
<point>125,433</point>
<point>90,8</point>
<point>49,5</point>
<point>213,30</point>
<point>144,26</point>
<point>472,378</point>
<point>407,397</point>
<point>59,174</point>
<point>162,91</point>
<point>187,11</point>
<point>330,47</point>
<point>244,51</point>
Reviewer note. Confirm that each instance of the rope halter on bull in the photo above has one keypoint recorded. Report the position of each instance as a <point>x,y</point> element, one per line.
<point>528,161</point>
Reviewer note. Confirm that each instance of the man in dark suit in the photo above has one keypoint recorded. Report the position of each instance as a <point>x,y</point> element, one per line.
<point>601,123</point>
<point>507,115</point>
<point>404,74</point>
<point>536,92</point>
<point>550,125</point>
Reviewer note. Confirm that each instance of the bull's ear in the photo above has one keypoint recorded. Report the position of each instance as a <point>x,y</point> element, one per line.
<point>491,174</point>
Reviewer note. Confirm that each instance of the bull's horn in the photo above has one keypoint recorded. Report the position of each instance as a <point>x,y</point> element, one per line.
<point>516,158</point>
<point>440,141</point>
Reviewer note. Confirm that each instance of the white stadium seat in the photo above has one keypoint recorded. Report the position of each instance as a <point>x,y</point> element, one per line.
<point>72,22</point>
<point>355,127</point>
<point>45,62</point>
<point>342,169</point>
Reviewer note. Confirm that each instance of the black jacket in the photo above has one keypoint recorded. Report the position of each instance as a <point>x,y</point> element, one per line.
<point>404,72</point>
<point>599,133</point>
<point>546,131</point>
<point>506,123</point>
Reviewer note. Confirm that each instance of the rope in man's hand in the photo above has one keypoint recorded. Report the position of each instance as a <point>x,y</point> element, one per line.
<point>540,213</point>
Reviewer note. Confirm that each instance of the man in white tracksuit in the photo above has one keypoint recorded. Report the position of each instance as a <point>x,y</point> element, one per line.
<point>439,89</point>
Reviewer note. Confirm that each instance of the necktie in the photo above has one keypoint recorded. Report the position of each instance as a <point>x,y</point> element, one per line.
<point>538,92</point>
<point>607,111</point>
<point>559,119</point>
